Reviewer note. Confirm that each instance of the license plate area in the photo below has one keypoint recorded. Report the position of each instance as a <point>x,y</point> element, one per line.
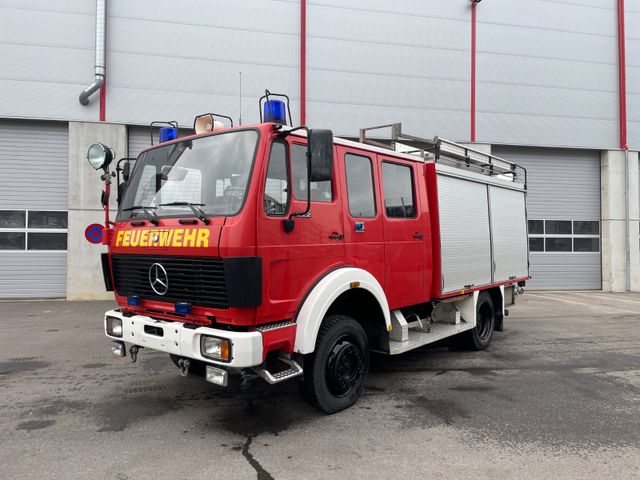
<point>153,330</point>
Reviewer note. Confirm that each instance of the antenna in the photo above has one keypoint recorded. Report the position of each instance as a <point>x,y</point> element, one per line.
<point>240,119</point>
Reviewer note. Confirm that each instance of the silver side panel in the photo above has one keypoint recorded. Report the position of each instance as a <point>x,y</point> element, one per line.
<point>508,224</point>
<point>465,241</point>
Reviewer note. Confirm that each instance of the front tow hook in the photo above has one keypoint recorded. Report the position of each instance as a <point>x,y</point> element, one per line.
<point>183,366</point>
<point>133,352</point>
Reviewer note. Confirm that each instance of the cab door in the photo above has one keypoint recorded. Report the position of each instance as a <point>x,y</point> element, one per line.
<point>361,211</point>
<point>404,232</point>
<point>292,261</point>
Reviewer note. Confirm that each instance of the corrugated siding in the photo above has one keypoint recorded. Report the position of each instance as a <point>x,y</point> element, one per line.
<point>465,241</point>
<point>562,185</point>
<point>547,73</point>
<point>34,159</point>
<point>632,31</point>
<point>378,62</point>
<point>33,274</point>
<point>509,233</point>
<point>34,164</point>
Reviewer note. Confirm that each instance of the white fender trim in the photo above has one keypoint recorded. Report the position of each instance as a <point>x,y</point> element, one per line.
<point>323,295</point>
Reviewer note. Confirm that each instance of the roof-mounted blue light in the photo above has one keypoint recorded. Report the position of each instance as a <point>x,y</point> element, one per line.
<point>275,111</point>
<point>168,133</point>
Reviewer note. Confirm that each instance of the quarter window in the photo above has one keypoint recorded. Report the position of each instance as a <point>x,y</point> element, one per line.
<point>398,190</point>
<point>359,172</point>
<point>276,186</point>
<point>320,191</point>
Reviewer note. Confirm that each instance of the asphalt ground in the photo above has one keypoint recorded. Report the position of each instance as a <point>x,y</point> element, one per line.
<point>557,395</point>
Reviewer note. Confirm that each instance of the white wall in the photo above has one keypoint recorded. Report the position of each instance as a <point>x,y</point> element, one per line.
<point>378,62</point>
<point>547,73</point>
<point>632,31</point>
<point>547,69</point>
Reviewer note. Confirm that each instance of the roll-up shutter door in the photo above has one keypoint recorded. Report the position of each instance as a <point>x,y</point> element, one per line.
<point>563,204</point>
<point>33,208</point>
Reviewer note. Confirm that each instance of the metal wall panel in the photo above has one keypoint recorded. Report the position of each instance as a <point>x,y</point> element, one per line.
<point>34,164</point>
<point>33,274</point>
<point>375,62</point>
<point>632,31</point>
<point>173,60</point>
<point>34,160</point>
<point>509,229</point>
<point>47,58</point>
<point>547,73</point>
<point>465,242</point>
<point>562,185</point>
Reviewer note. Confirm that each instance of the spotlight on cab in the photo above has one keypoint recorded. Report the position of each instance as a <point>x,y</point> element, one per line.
<point>99,156</point>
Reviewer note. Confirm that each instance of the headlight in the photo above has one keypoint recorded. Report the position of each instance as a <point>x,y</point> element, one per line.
<point>215,348</point>
<point>114,327</point>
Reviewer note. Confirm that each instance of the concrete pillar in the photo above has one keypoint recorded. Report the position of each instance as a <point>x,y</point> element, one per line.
<point>615,206</point>
<point>84,271</point>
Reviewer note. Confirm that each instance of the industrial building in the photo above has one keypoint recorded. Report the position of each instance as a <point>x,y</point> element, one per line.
<point>551,84</point>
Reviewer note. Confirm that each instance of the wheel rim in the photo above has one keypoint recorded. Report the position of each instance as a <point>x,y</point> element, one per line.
<point>345,366</point>
<point>484,324</point>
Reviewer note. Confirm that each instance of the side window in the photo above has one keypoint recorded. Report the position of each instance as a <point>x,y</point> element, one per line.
<point>320,191</point>
<point>276,185</point>
<point>359,171</point>
<point>399,200</point>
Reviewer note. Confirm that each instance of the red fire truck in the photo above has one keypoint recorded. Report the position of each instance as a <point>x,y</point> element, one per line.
<point>294,253</point>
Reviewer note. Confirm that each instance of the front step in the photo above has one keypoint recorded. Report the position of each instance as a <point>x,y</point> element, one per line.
<point>294,370</point>
<point>417,338</point>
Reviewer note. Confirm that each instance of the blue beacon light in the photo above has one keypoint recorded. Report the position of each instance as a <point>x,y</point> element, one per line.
<point>275,111</point>
<point>168,133</point>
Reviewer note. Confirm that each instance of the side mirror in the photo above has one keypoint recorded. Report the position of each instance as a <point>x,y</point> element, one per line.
<point>126,170</point>
<point>99,156</point>
<point>320,145</point>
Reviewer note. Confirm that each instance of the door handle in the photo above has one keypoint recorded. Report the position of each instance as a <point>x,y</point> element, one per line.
<point>336,236</point>
<point>418,236</point>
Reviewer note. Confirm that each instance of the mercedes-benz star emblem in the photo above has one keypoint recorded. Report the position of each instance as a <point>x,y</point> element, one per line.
<point>158,279</point>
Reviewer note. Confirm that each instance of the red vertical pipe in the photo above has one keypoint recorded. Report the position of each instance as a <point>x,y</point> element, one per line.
<point>303,62</point>
<point>622,77</point>
<point>473,70</point>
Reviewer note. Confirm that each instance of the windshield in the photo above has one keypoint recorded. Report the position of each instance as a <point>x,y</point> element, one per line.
<point>211,173</point>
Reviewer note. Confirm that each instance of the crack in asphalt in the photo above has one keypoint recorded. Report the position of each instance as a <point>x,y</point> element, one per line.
<point>262,474</point>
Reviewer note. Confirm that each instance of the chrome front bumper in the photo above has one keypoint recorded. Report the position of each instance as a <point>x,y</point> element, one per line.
<point>177,339</point>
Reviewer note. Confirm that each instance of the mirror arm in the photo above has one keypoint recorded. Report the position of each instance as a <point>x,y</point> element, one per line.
<point>308,209</point>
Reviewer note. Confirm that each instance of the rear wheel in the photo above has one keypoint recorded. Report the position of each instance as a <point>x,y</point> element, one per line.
<point>480,337</point>
<point>335,373</point>
<point>196,367</point>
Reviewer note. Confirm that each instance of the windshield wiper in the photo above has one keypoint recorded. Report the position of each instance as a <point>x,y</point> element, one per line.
<point>149,213</point>
<point>195,208</point>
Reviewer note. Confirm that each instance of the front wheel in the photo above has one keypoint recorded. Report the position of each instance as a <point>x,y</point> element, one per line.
<point>335,373</point>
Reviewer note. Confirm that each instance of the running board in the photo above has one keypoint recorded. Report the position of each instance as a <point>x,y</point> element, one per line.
<point>416,338</point>
<point>294,370</point>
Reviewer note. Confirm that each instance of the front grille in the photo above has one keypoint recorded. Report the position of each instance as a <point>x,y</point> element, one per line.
<point>199,281</point>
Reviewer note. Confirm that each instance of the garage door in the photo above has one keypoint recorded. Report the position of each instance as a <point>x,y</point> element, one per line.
<point>33,209</point>
<point>563,205</point>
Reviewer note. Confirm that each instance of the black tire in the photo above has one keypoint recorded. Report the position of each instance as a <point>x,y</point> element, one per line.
<point>480,337</point>
<point>196,367</point>
<point>335,373</point>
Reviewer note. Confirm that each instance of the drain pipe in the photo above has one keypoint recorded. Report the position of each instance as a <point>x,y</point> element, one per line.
<point>101,31</point>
